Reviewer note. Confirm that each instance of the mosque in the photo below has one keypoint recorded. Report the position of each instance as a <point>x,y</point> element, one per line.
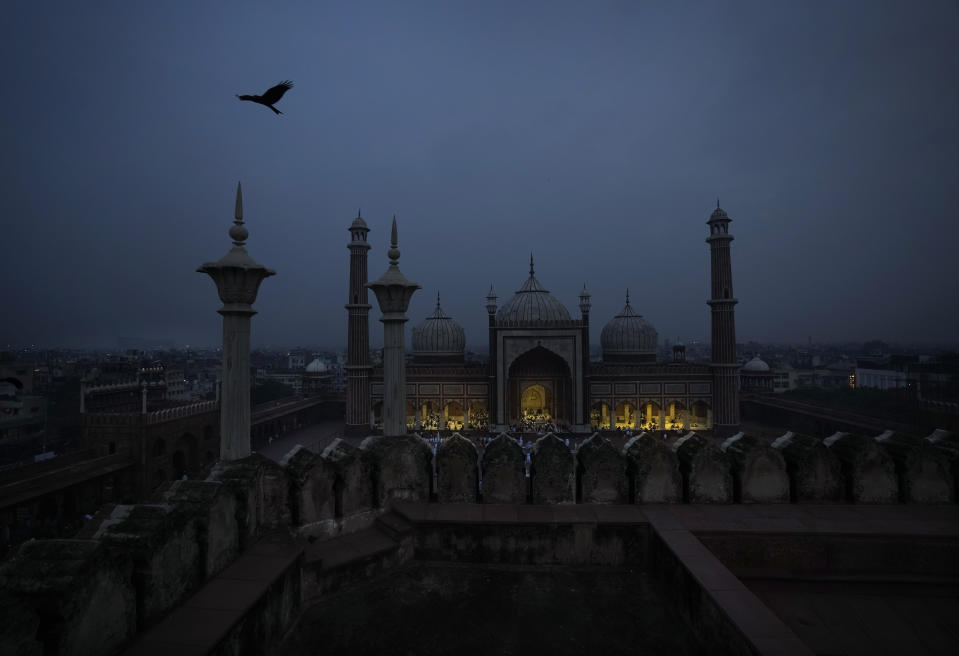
<point>539,374</point>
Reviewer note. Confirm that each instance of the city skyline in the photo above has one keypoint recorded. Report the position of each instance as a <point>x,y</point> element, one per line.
<point>596,137</point>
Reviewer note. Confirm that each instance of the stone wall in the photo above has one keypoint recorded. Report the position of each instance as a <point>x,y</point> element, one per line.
<point>135,563</point>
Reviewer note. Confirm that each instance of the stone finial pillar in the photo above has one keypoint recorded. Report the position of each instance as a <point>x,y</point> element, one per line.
<point>393,293</point>
<point>237,279</point>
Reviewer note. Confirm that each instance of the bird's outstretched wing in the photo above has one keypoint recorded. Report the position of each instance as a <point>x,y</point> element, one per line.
<point>273,94</point>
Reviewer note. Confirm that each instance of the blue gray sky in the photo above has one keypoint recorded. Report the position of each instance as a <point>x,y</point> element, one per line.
<point>597,135</point>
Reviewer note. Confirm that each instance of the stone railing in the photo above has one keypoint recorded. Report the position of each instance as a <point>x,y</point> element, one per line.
<point>132,564</point>
<point>160,416</point>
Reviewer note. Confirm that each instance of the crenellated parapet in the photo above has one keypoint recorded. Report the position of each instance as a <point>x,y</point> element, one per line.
<point>815,474</point>
<point>178,412</point>
<point>504,476</point>
<point>654,470</point>
<point>457,475</point>
<point>759,471</point>
<point>705,468</point>
<point>868,471</point>
<point>601,472</point>
<point>923,472</point>
<point>552,472</point>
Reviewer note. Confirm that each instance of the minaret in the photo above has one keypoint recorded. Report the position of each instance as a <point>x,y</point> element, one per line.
<point>237,279</point>
<point>584,306</point>
<point>358,334</point>
<point>393,293</point>
<point>491,374</point>
<point>724,365</point>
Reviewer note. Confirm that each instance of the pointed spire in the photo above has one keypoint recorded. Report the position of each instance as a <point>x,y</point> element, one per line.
<point>531,264</point>
<point>238,211</point>
<point>359,214</point>
<point>238,232</point>
<point>627,296</point>
<point>717,202</point>
<point>394,252</point>
<point>437,300</point>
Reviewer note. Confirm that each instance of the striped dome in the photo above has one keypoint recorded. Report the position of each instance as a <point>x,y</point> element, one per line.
<point>439,335</point>
<point>532,303</point>
<point>629,335</point>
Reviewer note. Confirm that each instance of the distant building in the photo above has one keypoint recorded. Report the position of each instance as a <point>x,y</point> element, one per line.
<point>881,372</point>
<point>539,372</point>
<point>756,377</point>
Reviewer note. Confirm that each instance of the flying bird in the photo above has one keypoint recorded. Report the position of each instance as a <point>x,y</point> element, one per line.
<point>272,95</point>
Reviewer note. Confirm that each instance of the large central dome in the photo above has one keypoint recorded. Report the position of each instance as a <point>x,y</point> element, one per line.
<point>532,304</point>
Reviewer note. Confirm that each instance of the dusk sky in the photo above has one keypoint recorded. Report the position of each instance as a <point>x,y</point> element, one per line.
<point>597,135</point>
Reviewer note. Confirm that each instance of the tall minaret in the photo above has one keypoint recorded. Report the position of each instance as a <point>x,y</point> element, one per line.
<point>358,335</point>
<point>724,365</point>
<point>491,374</point>
<point>584,305</point>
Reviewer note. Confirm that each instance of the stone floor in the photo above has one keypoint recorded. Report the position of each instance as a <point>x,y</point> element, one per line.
<point>866,618</point>
<point>443,608</point>
<point>851,616</point>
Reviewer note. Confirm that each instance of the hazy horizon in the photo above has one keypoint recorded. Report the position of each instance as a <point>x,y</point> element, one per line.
<point>598,136</point>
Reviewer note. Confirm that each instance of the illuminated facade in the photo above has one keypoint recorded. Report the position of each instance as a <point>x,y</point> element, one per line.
<point>539,373</point>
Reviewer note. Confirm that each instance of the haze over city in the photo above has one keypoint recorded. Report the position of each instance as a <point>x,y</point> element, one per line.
<point>596,135</point>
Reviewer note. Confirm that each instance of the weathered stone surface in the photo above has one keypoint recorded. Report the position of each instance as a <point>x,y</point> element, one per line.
<point>706,471</point>
<point>214,508</point>
<point>262,491</point>
<point>313,480</point>
<point>868,471</point>
<point>601,473</point>
<point>552,473</point>
<point>947,444</point>
<point>457,476</point>
<point>924,473</point>
<point>759,471</point>
<point>815,473</point>
<point>19,624</point>
<point>353,486</point>
<point>402,467</point>
<point>78,595</point>
<point>163,545</point>
<point>654,469</point>
<point>504,475</point>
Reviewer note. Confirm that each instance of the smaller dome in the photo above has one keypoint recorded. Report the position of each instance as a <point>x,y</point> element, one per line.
<point>317,367</point>
<point>358,222</point>
<point>628,336</point>
<point>756,364</point>
<point>439,336</point>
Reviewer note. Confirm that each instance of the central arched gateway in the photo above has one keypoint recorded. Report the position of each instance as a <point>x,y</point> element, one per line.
<point>539,390</point>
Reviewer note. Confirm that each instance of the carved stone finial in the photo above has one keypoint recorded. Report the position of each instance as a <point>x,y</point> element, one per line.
<point>627,296</point>
<point>531,264</point>
<point>394,252</point>
<point>437,300</point>
<point>238,233</point>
